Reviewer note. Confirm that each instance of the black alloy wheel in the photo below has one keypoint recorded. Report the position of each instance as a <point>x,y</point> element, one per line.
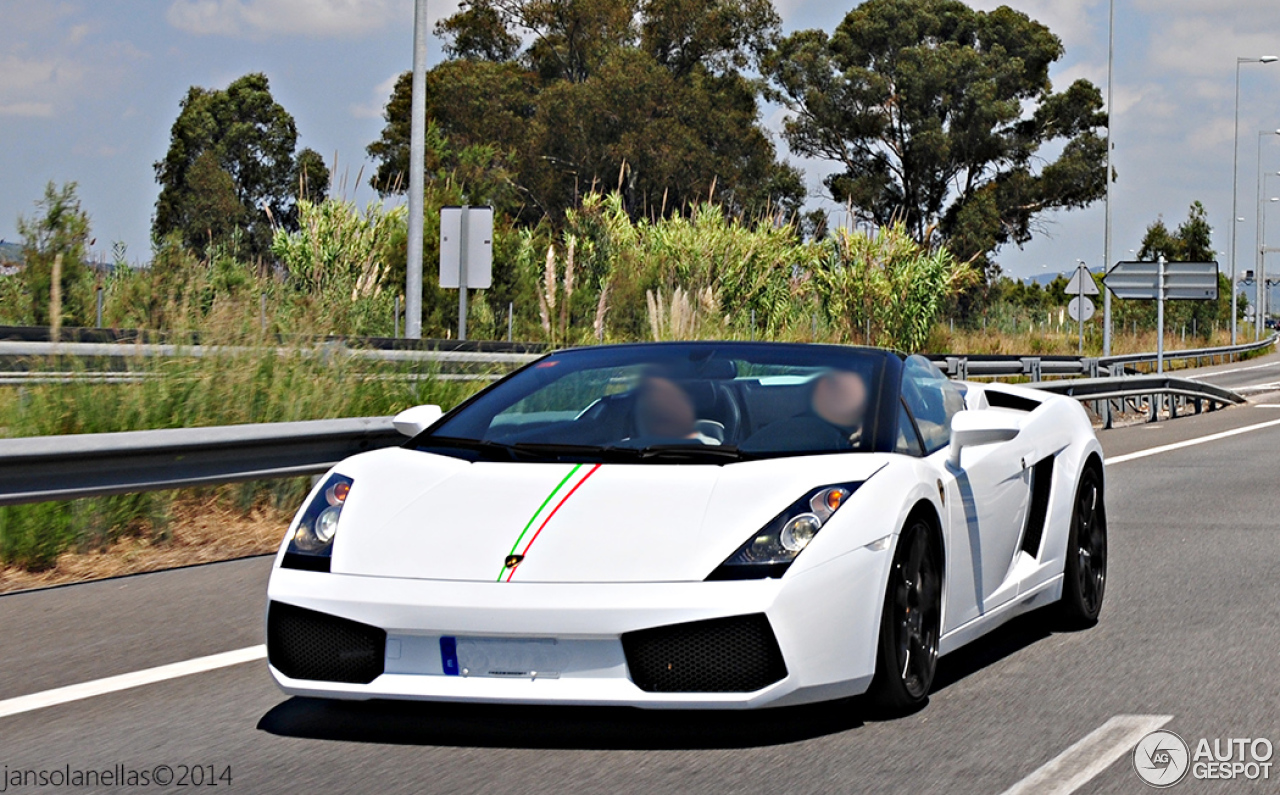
<point>910,625</point>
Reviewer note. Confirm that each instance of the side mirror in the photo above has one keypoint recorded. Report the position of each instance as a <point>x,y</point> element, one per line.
<point>414,421</point>
<point>988,426</point>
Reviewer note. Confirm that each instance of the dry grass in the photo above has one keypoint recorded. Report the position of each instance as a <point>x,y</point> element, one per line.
<point>200,530</point>
<point>1063,340</point>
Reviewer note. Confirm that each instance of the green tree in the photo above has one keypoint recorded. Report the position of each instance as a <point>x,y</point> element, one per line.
<point>59,227</point>
<point>652,98</point>
<point>250,140</point>
<point>1192,241</point>
<point>937,114</point>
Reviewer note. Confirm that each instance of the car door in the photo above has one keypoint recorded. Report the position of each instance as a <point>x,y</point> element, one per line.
<point>986,497</point>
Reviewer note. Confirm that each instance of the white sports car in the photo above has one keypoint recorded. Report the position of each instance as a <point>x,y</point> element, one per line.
<point>691,525</point>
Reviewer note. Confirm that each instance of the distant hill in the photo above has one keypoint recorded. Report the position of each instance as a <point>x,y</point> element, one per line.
<point>10,252</point>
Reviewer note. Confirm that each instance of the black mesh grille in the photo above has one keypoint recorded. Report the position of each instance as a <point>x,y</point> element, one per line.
<point>723,655</point>
<point>304,644</point>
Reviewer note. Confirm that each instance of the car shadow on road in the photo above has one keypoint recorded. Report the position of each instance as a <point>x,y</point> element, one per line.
<point>1013,637</point>
<point>577,728</point>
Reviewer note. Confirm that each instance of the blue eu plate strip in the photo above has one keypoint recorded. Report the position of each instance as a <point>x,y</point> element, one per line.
<point>449,655</point>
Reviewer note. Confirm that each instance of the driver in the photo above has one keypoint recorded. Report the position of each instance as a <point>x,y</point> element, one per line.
<point>840,399</point>
<point>834,420</point>
<point>664,410</point>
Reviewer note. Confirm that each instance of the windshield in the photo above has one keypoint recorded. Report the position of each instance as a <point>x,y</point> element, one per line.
<point>679,402</point>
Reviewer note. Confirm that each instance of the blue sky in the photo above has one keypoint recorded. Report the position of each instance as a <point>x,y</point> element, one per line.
<point>89,89</point>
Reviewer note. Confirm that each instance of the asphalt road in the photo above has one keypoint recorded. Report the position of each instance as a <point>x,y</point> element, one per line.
<point>1249,377</point>
<point>1191,629</point>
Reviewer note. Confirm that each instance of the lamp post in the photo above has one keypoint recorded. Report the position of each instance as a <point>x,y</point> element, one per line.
<point>417,167</point>
<point>1260,273</point>
<point>1235,179</point>
<point>1106,236</point>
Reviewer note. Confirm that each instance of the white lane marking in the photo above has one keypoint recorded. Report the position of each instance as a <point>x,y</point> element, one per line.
<point>112,684</point>
<point>1270,385</point>
<point>1203,376</point>
<point>1164,448</point>
<point>1266,405</point>
<point>1094,753</point>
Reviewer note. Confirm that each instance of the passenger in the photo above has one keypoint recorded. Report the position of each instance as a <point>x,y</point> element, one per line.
<point>665,411</point>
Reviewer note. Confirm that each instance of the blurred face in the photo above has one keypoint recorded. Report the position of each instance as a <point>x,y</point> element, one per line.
<point>665,410</point>
<point>841,399</point>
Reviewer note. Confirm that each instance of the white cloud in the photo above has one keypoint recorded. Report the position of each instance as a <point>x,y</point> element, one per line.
<point>77,34</point>
<point>373,108</point>
<point>34,86</point>
<point>29,109</point>
<point>311,18</point>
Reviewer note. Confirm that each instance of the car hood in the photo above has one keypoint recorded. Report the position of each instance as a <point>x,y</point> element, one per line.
<point>425,516</point>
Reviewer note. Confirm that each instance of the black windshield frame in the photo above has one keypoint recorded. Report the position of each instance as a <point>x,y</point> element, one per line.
<point>471,419</point>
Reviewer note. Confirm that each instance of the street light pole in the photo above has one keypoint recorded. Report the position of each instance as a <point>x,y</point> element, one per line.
<point>1261,238</point>
<point>1235,179</point>
<point>1262,264</point>
<point>417,167</point>
<point>1106,237</point>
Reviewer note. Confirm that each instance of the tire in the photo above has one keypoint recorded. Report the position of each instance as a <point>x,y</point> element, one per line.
<point>910,624</point>
<point>1084,580</point>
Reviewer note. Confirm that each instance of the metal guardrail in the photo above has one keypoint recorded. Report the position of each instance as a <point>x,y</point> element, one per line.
<point>39,469</point>
<point>43,468</point>
<point>1036,368</point>
<point>114,350</point>
<point>1152,396</point>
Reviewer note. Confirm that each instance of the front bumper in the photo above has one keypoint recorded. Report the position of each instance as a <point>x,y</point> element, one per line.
<point>825,621</point>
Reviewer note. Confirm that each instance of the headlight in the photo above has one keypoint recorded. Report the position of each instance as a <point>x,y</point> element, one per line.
<point>769,552</point>
<point>311,543</point>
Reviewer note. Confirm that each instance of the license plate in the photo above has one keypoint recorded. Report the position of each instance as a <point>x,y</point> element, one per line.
<point>509,658</point>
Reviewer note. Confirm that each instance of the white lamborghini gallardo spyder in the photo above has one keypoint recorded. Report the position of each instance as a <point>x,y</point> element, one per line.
<point>691,525</point>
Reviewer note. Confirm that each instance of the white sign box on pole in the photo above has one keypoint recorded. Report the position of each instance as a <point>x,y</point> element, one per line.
<point>471,227</point>
<point>1183,281</point>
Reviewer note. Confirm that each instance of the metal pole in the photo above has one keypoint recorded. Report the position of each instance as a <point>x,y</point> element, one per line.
<point>1257,230</point>
<point>1082,273</point>
<point>1235,174</point>
<point>417,166</point>
<point>462,274</point>
<point>511,313</point>
<point>1262,271</point>
<point>1106,237</point>
<point>1160,317</point>
<point>396,333</point>
<point>99,315</point>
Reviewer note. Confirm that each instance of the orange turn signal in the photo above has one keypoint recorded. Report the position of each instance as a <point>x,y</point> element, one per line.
<point>338,493</point>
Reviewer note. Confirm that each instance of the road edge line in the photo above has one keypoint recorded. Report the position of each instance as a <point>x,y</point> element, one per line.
<point>114,684</point>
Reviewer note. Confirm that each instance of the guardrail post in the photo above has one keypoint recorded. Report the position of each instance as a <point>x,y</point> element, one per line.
<point>1031,367</point>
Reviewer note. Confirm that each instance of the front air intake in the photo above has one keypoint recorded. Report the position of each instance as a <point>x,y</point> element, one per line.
<point>723,655</point>
<point>304,644</point>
